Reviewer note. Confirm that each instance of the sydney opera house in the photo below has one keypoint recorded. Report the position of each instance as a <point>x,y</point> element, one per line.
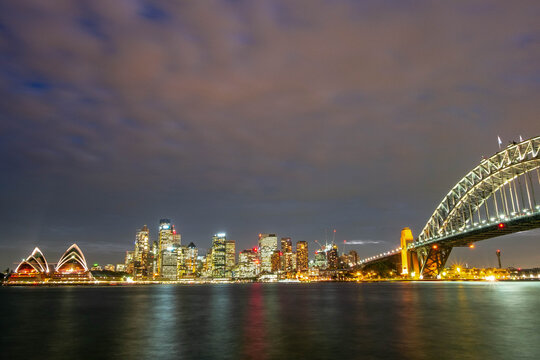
<point>71,267</point>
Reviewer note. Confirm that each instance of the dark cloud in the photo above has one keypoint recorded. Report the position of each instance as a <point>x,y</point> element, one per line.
<point>287,117</point>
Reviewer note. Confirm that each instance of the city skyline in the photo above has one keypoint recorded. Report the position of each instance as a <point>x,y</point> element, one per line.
<point>255,118</point>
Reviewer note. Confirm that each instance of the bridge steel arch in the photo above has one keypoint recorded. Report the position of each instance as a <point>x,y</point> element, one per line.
<point>497,197</point>
<point>485,197</point>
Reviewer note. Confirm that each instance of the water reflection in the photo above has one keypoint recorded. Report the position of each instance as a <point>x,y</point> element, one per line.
<point>274,321</point>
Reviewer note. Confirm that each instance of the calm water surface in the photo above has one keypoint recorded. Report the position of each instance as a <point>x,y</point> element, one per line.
<point>273,321</point>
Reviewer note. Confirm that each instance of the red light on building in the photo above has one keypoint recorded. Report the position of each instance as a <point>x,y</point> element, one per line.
<point>280,253</point>
<point>435,246</point>
<point>501,225</point>
<point>254,249</point>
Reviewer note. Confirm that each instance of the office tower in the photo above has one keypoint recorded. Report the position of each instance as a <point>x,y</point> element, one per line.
<point>129,262</point>
<point>154,258</point>
<point>219,255</point>
<point>301,256</point>
<point>249,263</point>
<point>332,257</point>
<point>169,242</point>
<point>287,255</point>
<point>141,256</point>
<point>353,258</point>
<point>267,246</point>
<point>276,261</point>
<point>321,260</point>
<point>230,256</point>
<point>181,268</point>
<point>191,259</point>
<point>286,245</point>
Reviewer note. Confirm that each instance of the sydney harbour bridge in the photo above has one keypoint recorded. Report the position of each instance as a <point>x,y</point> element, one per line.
<point>500,196</point>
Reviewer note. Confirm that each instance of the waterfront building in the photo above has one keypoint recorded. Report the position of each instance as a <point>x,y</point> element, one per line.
<point>33,268</point>
<point>141,256</point>
<point>267,246</point>
<point>230,256</point>
<point>301,256</point>
<point>72,266</point>
<point>219,255</point>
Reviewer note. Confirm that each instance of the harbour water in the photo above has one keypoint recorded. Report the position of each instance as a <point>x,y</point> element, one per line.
<point>405,320</point>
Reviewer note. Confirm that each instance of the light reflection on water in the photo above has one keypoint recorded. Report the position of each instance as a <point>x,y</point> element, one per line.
<point>274,321</point>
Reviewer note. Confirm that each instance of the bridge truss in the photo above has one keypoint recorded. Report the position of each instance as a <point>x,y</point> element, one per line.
<point>498,197</point>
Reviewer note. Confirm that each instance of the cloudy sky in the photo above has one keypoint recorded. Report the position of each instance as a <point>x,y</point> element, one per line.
<point>289,117</point>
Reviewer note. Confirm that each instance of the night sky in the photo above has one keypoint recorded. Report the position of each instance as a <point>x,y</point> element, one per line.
<point>286,117</point>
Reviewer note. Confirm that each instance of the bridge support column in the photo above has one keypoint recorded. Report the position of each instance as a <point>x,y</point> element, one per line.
<point>406,261</point>
<point>432,260</point>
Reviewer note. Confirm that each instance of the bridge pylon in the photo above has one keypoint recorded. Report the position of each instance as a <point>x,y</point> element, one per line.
<point>409,259</point>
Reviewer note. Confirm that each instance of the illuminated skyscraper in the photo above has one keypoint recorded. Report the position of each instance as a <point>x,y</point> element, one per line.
<point>191,259</point>
<point>141,259</point>
<point>275,261</point>
<point>129,262</point>
<point>267,246</point>
<point>286,245</point>
<point>287,255</point>
<point>219,255</point>
<point>169,242</point>
<point>154,258</point>
<point>332,257</point>
<point>321,260</point>
<point>302,256</point>
<point>249,263</point>
<point>230,256</point>
<point>181,267</point>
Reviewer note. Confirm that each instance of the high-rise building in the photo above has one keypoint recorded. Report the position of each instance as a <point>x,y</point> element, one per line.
<point>287,255</point>
<point>276,261</point>
<point>230,256</point>
<point>219,255</point>
<point>154,258</point>
<point>249,263</point>
<point>332,257</point>
<point>141,255</point>
<point>267,246</point>
<point>286,245</point>
<point>181,268</point>
<point>321,260</point>
<point>129,262</point>
<point>191,259</point>
<point>302,256</point>
<point>169,242</point>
